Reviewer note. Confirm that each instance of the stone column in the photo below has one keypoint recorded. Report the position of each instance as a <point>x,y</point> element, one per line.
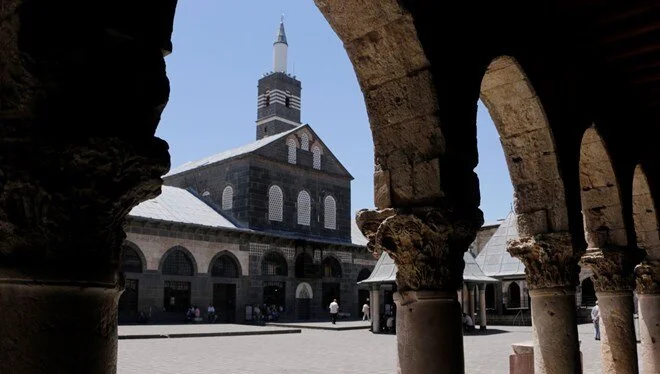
<point>471,301</point>
<point>428,251</point>
<point>614,280</point>
<point>648,297</point>
<point>551,271</point>
<point>482,306</point>
<point>375,310</point>
<point>79,106</point>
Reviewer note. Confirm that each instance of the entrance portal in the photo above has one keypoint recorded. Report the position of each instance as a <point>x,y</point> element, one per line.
<point>274,294</point>
<point>330,292</point>
<point>224,301</point>
<point>176,296</point>
<point>128,302</point>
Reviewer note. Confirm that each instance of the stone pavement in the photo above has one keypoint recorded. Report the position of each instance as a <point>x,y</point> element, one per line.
<point>201,330</point>
<point>319,352</point>
<point>340,326</point>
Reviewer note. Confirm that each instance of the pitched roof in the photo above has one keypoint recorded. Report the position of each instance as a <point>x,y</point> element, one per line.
<point>356,235</point>
<point>178,205</point>
<point>494,259</point>
<point>385,271</point>
<point>235,152</point>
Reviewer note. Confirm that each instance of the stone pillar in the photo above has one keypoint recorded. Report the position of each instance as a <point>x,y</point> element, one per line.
<point>77,152</point>
<point>551,271</point>
<point>482,306</point>
<point>613,269</point>
<point>428,251</point>
<point>648,297</point>
<point>375,310</point>
<point>471,301</point>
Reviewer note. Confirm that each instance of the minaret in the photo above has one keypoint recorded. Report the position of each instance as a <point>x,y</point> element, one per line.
<point>278,102</point>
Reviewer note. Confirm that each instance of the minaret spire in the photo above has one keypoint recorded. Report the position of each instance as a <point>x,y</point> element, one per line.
<point>280,47</point>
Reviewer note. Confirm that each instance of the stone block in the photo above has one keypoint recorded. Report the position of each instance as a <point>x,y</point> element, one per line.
<point>386,53</point>
<point>421,137</point>
<point>532,223</point>
<point>356,18</point>
<point>382,197</point>
<point>426,180</point>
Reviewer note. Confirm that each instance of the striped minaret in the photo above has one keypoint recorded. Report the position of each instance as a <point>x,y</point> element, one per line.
<point>278,102</point>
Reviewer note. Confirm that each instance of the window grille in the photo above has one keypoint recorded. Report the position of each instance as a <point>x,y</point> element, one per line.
<point>178,263</point>
<point>274,264</point>
<point>292,150</point>
<point>130,260</point>
<point>331,268</point>
<point>275,203</point>
<point>330,221</point>
<point>316,160</point>
<point>304,141</point>
<point>225,266</point>
<point>304,208</point>
<point>227,198</point>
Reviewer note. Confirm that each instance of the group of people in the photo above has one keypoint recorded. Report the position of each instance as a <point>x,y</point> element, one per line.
<point>267,312</point>
<point>193,314</point>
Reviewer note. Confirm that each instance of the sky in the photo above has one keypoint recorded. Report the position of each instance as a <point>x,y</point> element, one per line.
<point>222,48</point>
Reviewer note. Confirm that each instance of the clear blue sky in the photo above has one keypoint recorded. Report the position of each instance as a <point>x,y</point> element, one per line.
<point>222,48</point>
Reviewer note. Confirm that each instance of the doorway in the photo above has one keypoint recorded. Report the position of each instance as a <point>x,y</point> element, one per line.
<point>128,301</point>
<point>363,298</point>
<point>330,292</point>
<point>224,301</point>
<point>176,296</point>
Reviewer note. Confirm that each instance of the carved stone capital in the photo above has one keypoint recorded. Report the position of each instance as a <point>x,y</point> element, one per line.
<point>426,247</point>
<point>613,267</point>
<point>647,277</point>
<point>368,222</point>
<point>549,259</point>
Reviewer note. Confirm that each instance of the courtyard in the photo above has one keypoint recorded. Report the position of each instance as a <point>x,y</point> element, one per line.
<point>315,351</point>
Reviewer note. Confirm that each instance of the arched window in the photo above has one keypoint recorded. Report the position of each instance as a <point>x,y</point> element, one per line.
<point>225,266</point>
<point>274,264</point>
<point>514,295</point>
<point>275,203</point>
<point>316,160</point>
<point>130,260</point>
<point>304,141</point>
<point>304,266</point>
<point>291,144</point>
<point>363,274</point>
<point>177,262</point>
<point>330,211</point>
<point>331,267</point>
<point>227,198</point>
<point>304,208</point>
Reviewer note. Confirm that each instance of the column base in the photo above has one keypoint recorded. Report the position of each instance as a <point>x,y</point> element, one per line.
<point>62,328</point>
<point>429,332</point>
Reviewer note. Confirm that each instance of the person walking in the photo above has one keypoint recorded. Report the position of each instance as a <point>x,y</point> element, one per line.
<point>365,311</point>
<point>334,309</point>
<point>595,317</point>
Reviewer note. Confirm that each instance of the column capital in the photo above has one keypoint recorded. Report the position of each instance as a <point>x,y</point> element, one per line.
<point>648,281</point>
<point>425,245</point>
<point>613,267</point>
<point>549,258</point>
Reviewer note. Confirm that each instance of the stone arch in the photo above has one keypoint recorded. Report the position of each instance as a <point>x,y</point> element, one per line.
<point>645,216</point>
<point>274,263</point>
<point>128,245</point>
<point>220,262</point>
<point>601,201</point>
<point>588,293</point>
<point>304,291</point>
<point>363,274</point>
<point>304,266</point>
<point>529,148</point>
<point>331,267</point>
<point>178,251</point>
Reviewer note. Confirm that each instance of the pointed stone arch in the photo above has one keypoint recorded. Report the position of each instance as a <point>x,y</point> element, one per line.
<point>529,147</point>
<point>181,254</point>
<point>645,216</point>
<point>227,263</point>
<point>601,200</point>
<point>136,255</point>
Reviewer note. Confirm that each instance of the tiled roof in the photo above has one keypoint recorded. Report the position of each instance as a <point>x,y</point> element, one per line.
<point>178,205</point>
<point>248,148</point>
<point>493,259</point>
<point>385,271</point>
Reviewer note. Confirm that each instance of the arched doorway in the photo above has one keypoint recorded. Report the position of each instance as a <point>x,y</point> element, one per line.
<point>304,296</point>
<point>588,292</point>
<point>224,293</point>
<point>363,293</point>
<point>330,286</point>
<point>131,266</point>
<point>176,292</point>
<point>274,291</point>
<point>514,295</point>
